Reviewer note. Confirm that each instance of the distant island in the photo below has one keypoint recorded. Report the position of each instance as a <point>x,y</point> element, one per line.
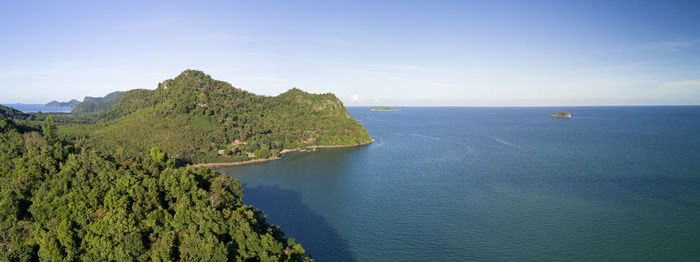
<point>55,103</point>
<point>561,115</point>
<point>383,108</point>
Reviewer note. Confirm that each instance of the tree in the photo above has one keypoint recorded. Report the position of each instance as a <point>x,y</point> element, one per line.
<point>49,130</point>
<point>93,206</point>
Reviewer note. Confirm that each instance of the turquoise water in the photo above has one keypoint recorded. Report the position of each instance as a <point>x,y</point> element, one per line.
<point>495,184</point>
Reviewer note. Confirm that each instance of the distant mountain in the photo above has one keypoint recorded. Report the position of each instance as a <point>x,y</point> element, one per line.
<point>98,105</point>
<point>109,97</point>
<point>197,119</point>
<point>55,103</point>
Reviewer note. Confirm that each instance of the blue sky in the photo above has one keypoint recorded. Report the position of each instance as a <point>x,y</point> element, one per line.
<point>451,53</point>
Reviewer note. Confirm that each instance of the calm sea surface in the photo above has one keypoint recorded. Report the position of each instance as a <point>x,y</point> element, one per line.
<point>495,184</point>
<point>33,108</point>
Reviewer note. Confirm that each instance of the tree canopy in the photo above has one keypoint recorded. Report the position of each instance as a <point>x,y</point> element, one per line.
<point>193,117</point>
<point>68,202</point>
<point>109,182</point>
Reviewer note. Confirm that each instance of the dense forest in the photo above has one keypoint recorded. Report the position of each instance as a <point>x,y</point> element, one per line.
<point>196,119</point>
<point>63,201</point>
<point>12,113</point>
<point>111,180</point>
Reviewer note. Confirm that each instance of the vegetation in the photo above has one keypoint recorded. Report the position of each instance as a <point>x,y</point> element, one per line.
<point>62,201</point>
<point>98,105</point>
<point>109,185</point>
<point>383,108</point>
<point>562,115</point>
<point>55,103</point>
<point>193,117</point>
<point>10,112</point>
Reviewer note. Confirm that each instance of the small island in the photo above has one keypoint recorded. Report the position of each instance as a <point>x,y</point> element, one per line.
<point>383,108</point>
<point>561,115</point>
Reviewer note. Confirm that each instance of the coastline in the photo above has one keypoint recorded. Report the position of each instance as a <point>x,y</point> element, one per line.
<point>284,151</point>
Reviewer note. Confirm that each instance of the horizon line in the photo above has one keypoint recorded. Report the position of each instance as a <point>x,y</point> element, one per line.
<point>612,105</point>
<point>631,105</point>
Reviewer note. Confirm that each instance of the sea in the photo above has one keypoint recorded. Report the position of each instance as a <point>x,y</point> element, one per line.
<point>33,108</point>
<point>494,184</point>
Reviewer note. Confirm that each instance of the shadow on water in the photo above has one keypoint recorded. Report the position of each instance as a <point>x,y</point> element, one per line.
<point>285,208</point>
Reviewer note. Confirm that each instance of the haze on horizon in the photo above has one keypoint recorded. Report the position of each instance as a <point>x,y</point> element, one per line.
<point>435,53</point>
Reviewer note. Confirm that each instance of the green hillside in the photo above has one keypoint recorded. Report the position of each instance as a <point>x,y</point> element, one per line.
<point>67,202</point>
<point>194,117</point>
<point>10,112</point>
<point>98,105</point>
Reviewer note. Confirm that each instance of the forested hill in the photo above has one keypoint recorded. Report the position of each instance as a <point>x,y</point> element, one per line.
<point>98,105</point>
<point>66,202</point>
<point>198,119</point>
<point>10,112</point>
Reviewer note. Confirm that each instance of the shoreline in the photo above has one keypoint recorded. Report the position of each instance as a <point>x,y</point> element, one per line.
<point>284,151</point>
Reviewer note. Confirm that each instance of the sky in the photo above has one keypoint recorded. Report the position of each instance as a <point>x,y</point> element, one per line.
<point>395,53</point>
